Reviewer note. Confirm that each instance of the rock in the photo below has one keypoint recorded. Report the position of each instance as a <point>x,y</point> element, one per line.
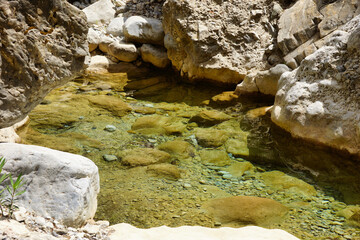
<point>238,169</point>
<point>92,229</point>
<point>110,103</point>
<point>99,64</point>
<point>208,137</point>
<point>126,52</point>
<point>210,117</point>
<point>104,43</point>
<point>157,124</point>
<point>214,157</point>
<point>200,50</point>
<point>265,82</point>
<point>144,83</point>
<point>156,55</point>
<point>237,146</point>
<point>245,210</point>
<point>100,13</point>
<point>319,101</point>
<point>144,30</point>
<point>178,149</point>
<point>43,51</point>
<point>115,27</point>
<point>225,98</point>
<point>165,170</point>
<point>9,134</point>
<point>351,214</point>
<point>144,156</point>
<point>93,38</point>
<point>280,181</point>
<point>258,112</point>
<point>72,182</point>
<point>144,110</point>
<point>124,231</point>
<point>109,158</point>
<point>110,128</point>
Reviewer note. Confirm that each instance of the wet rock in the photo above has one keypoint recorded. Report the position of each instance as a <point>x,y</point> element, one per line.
<point>110,128</point>
<point>210,117</point>
<point>157,124</point>
<point>237,146</point>
<point>144,110</point>
<point>165,170</point>
<point>208,137</point>
<point>351,214</point>
<point>144,83</point>
<point>156,55</point>
<point>245,210</point>
<point>110,103</point>
<point>258,112</point>
<point>115,27</point>
<point>109,158</point>
<point>144,156</point>
<point>93,38</point>
<point>126,52</point>
<point>178,149</point>
<point>238,169</point>
<point>43,51</point>
<point>225,98</point>
<point>144,30</point>
<point>214,157</point>
<point>100,13</point>
<point>280,181</point>
<point>74,182</point>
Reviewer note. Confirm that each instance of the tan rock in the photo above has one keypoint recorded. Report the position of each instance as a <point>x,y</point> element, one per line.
<point>258,112</point>
<point>165,170</point>
<point>210,117</point>
<point>280,181</point>
<point>208,137</point>
<point>351,214</point>
<point>156,55</point>
<point>157,124</point>
<point>245,210</point>
<point>178,149</point>
<point>144,110</point>
<point>238,169</point>
<point>126,52</point>
<point>214,157</point>
<point>93,38</point>
<point>225,98</point>
<point>99,64</point>
<point>110,103</point>
<point>143,157</point>
<point>237,147</point>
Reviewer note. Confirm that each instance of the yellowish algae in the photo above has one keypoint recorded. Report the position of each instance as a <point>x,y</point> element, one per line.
<point>174,157</point>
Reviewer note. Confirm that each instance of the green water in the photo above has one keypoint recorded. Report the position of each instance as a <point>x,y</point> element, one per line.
<point>233,156</point>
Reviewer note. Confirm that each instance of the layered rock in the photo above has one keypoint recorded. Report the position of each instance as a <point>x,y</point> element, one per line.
<point>59,185</point>
<point>43,45</point>
<point>320,100</point>
<point>219,41</point>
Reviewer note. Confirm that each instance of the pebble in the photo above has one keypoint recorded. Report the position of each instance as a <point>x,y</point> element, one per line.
<point>110,158</point>
<point>110,128</point>
<point>187,185</point>
<point>202,181</point>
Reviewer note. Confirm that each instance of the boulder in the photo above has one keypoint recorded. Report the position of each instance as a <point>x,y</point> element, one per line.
<point>200,49</point>
<point>104,43</point>
<point>99,64</point>
<point>178,149</point>
<point>115,27</point>
<point>126,52</point>
<point>165,170</point>
<point>208,137</point>
<point>40,49</point>
<point>124,231</point>
<point>59,185</point>
<point>100,13</point>
<point>156,55</point>
<point>319,100</point>
<point>210,117</point>
<point>144,157</point>
<point>246,210</point>
<point>93,38</point>
<point>144,30</point>
<point>214,157</point>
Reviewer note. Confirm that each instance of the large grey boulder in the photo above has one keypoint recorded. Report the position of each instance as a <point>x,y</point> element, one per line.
<point>60,185</point>
<point>144,30</point>
<point>221,41</point>
<point>320,100</point>
<point>100,13</point>
<point>115,27</point>
<point>43,45</point>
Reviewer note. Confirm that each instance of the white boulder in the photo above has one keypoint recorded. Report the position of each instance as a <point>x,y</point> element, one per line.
<point>144,30</point>
<point>100,13</point>
<point>99,64</point>
<point>93,38</point>
<point>59,185</point>
<point>126,52</point>
<point>115,27</point>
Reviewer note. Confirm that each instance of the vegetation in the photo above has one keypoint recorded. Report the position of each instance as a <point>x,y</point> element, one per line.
<point>13,189</point>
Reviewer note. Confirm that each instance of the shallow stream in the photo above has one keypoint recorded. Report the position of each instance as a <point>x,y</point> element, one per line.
<point>219,147</point>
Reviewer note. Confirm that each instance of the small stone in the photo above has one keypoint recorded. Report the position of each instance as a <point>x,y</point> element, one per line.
<point>109,158</point>
<point>202,181</point>
<point>92,229</point>
<point>187,185</point>
<point>175,216</point>
<point>227,176</point>
<point>110,128</point>
<point>217,224</point>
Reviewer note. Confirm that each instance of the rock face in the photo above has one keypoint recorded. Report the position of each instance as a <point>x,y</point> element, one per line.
<point>125,231</point>
<point>60,185</point>
<point>43,45</point>
<point>213,39</point>
<point>320,100</point>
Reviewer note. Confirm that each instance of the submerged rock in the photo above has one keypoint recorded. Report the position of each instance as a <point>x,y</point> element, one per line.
<point>214,157</point>
<point>208,137</point>
<point>144,156</point>
<point>110,103</point>
<point>59,185</point>
<point>157,124</point>
<point>210,117</point>
<point>40,49</point>
<point>178,149</point>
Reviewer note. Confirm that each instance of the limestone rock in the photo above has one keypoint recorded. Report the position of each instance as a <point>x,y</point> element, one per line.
<point>280,181</point>
<point>43,51</point>
<point>201,49</point>
<point>156,55</point>
<point>124,231</point>
<point>245,210</point>
<point>100,13</point>
<point>214,157</point>
<point>144,30</point>
<point>9,135</point>
<point>319,101</point>
<point>93,38</point>
<point>211,137</point>
<point>60,185</point>
<point>178,149</point>
<point>115,27</point>
<point>157,124</point>
<point>143,157</point>
<point>210,117</point>
<point>99,64</point>
<point>110,103</point>
<point>126,52</point>
<point>165,170</point>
